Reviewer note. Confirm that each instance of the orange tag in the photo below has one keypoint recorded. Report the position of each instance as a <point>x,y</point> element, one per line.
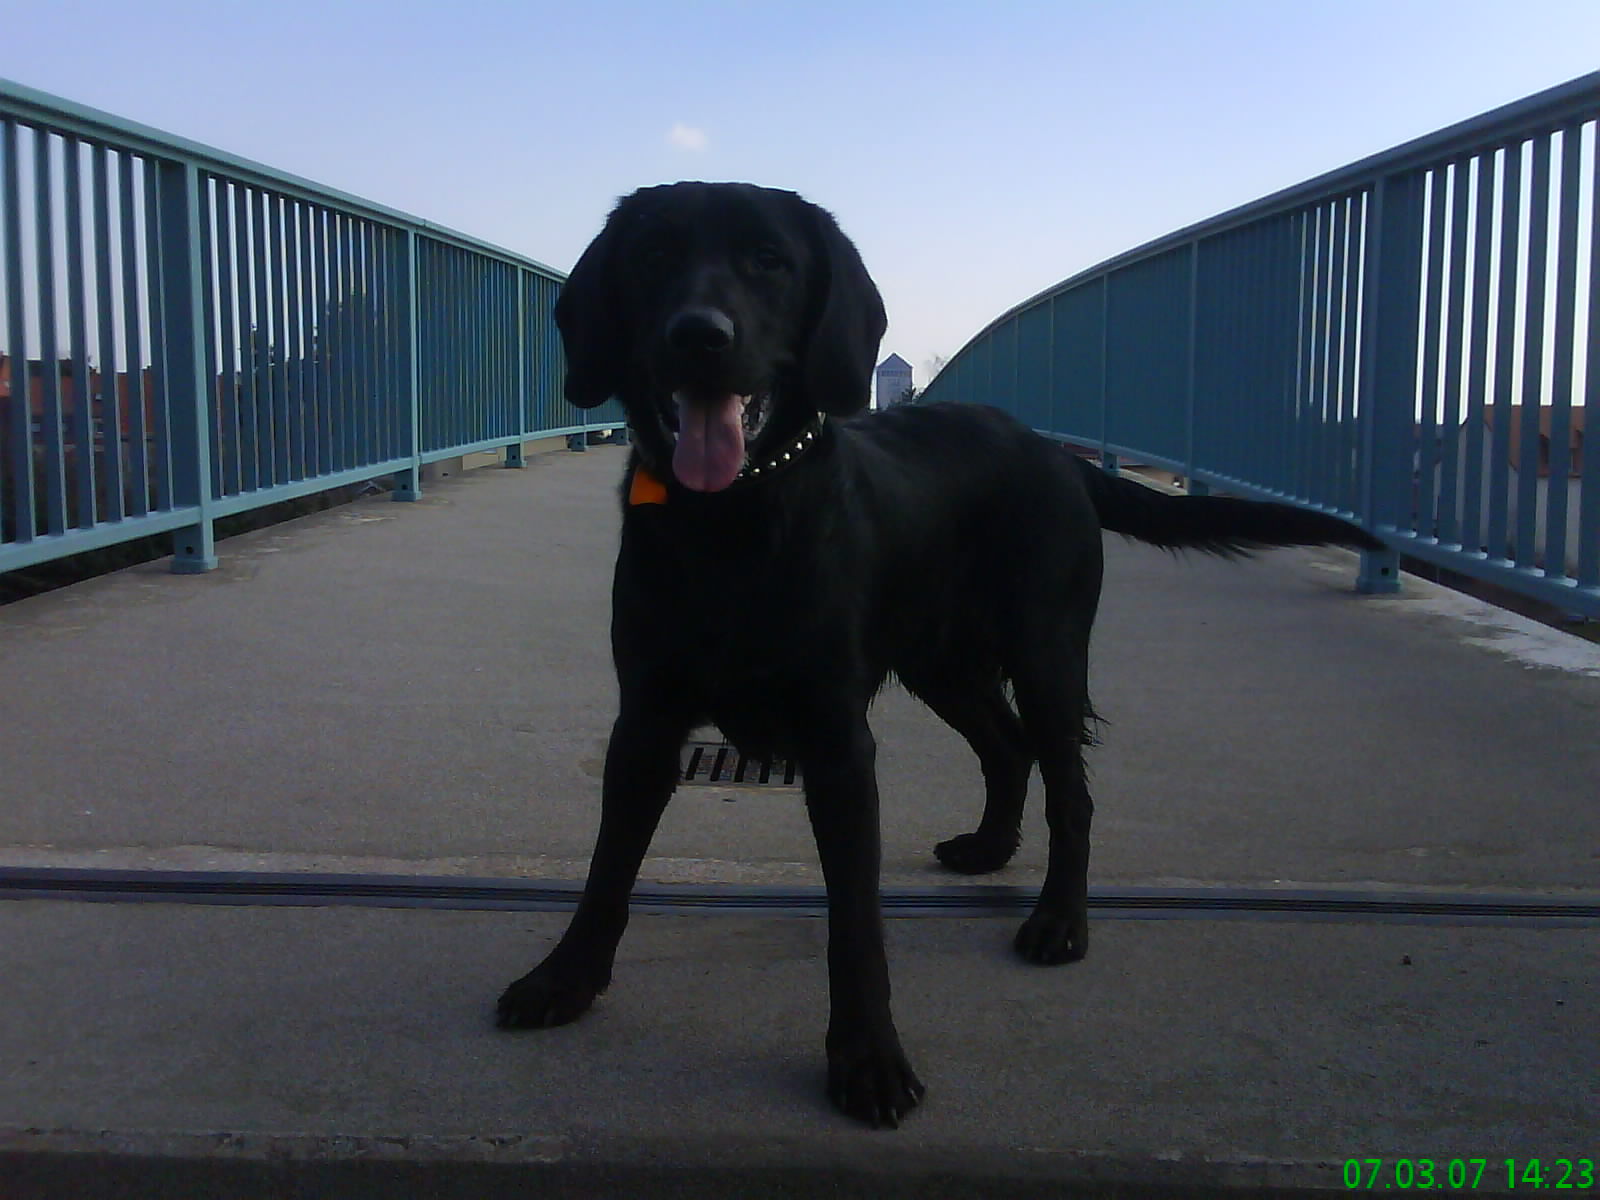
<point>646,488</point>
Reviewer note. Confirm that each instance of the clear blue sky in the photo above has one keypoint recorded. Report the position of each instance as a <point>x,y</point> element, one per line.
<point>976,152</point>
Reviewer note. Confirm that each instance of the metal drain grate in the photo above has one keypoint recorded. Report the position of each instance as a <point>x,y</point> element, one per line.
<point>718,763</point>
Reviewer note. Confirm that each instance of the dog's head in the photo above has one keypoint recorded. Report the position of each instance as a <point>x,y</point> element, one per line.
<point>724,316</point>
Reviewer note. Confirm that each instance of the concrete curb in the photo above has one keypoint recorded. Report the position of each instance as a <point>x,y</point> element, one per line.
<point>45,1162</point>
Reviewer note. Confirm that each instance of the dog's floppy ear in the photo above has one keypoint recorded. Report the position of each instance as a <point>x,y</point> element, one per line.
<point>849,322</point>
<point>586,314</point>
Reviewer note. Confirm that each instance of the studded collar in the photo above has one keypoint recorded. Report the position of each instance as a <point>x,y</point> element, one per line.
<point>647,489</point>
<point>790,452</point>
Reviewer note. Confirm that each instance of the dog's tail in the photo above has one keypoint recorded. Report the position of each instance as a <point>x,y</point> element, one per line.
<point>1218,525</point>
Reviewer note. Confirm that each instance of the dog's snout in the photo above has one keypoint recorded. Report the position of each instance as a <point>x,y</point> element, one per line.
<point>700,331</point>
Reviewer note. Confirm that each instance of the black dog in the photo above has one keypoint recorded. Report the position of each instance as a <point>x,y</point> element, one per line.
<point>781,558</point>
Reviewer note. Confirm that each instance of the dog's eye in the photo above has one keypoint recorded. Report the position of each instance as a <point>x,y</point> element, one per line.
<point>656,254</point>
<point>767,258</point>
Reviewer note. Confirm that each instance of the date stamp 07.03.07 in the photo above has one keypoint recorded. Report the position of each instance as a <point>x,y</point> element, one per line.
<point>1498,1175</point>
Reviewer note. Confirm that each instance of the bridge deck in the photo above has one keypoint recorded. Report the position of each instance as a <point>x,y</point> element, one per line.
<point>425,688</point>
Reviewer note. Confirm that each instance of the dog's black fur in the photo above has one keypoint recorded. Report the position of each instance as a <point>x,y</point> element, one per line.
<point>946,545</point>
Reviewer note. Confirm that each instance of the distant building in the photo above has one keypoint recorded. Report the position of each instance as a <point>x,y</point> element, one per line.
<point>1557,467</point>
<point>894,380</point>
<point>65,391</point>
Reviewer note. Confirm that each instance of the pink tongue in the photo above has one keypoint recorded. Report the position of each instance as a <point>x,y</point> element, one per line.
<point>710,449</point>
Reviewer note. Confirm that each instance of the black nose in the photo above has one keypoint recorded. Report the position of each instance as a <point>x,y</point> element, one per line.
<point>700,331</point>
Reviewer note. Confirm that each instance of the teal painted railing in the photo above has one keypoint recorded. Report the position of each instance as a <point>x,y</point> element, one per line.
<point>1412,341</point>
<point>185,335</point>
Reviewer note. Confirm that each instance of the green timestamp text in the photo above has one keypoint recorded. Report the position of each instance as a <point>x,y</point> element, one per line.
<point>1469,1174</point>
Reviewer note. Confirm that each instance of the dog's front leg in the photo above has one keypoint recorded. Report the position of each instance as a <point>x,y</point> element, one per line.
<point>868,1075</point>
<point>640,774</point>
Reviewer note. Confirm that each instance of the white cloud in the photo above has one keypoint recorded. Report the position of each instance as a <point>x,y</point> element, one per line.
<point>687,137</point>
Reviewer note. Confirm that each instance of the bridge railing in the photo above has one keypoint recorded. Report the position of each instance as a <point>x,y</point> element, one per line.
<point>185,335</point>
<point>1412,341</point>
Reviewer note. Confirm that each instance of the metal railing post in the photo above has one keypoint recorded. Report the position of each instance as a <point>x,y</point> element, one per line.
<point>524,408</point>
<point>1191,353</point>
<point>183,366</point>
<point>1052,422</point>
<point>408,482</point>
<point>1107,460</point>
<point>1393,276</point>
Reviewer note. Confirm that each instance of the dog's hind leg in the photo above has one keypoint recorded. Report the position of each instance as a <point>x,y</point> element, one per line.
<point>640,774</point>
<point>982,716</point>
<point>1053,699</point>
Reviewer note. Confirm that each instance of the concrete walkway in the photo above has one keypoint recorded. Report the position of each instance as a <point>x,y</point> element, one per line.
<point>425,689</point>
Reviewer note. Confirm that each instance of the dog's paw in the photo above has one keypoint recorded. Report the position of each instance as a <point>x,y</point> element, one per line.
<point>542,998</point>
<point>1050,938</point>
<point>873,1083</point>
<point>976,853</point>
